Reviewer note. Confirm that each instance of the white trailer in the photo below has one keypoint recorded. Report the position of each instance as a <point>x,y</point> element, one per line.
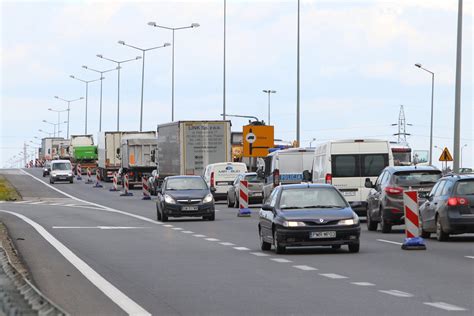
<point>49,146</point>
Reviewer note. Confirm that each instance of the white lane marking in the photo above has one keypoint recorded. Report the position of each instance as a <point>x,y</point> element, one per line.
<point>363,283</point>
<point>396,293</point>
<point>227,243</point>
<point>39,202</point>
<point>241,248</point>
<point>21,202</point>
<point>199,236</point>
<point>118,297</point>
<point>445,306</point>
<point>390,242</point>
<point>187,232</point>
<point>177,228</point>
<point>54,204</point>
<point>333,276</point>
<point>305,268</point>
<point>168,225</point>
<point>212,239</point>
<point>469,257</point>
<point>70,205</point>
<point>260,254</point>
<point>281,260</point>
<point>97,227</point>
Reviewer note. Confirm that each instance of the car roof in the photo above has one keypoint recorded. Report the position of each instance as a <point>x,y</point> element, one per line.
<point>393,169</point>
<point>183,177</point>
<point>457,177</point>
<point>305,186</point>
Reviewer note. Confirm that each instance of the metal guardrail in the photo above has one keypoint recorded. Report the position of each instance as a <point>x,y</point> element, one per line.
<point>22,298</point>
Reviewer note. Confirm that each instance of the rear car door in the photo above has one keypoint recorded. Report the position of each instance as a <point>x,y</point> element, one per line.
<point>428,211</point>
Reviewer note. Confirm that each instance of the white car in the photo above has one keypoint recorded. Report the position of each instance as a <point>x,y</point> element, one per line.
<point>221,176</point>
<point>61,170</point>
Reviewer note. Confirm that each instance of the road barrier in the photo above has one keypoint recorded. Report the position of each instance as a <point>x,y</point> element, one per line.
<point>126,187</point>
<point>145,189</point>
<point>244,210</point>
<point>78,172</point>
<point>97,179</point>
<point>413,241</point>
<point>114,183</point>
<point>89,175</point>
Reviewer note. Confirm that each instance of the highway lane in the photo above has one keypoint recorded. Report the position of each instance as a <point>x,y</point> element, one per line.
<point>175,270</point>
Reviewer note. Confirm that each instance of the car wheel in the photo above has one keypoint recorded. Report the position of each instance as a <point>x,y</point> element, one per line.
<point>384,226</point>
<point>44,174</point>
<point>158,214</point>
<point>354,248</point>
<point>440,234</point>
<point>164,218</point>
<point>279,249</point>
<point>371,225</point>
<point>265,246</point>
<point>424,233</point>
<point>228,201</point>
<point>336,246</point>
<point>236,202</point>
<point>51,181</point>
<point>211,217</point>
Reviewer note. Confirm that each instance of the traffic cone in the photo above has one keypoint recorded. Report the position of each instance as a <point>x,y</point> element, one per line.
<point>126,187</point>
<point>146,191</point>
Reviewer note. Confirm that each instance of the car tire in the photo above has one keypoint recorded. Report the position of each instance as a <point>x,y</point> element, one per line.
<point>211,217</point>
<point>265,246</point>
<point>353,248</point>
<point>424,233</point>
<point>336,246</point>
<point>44,174</point>
<point>236,202</point>
<point>278,248</point>
<point>440,234</point>
<point>384,226</point>
<point>51,181</point>
<point>164,218</point>
<point>228,201</point>
<point>371,225</point>
<point>158,214</point>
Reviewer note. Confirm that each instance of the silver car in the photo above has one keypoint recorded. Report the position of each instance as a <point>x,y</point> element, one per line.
<point>255,189</point>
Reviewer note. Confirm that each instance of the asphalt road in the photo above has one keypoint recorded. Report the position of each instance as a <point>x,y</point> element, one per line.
<point>114,258</point>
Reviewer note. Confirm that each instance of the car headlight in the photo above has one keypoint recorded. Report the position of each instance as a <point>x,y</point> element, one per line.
<point>350,221</point>
<point>70,174</point>
<point>53,174</point>
<point>293,224</point>
<point>208,198</point>
<point>169,199</point>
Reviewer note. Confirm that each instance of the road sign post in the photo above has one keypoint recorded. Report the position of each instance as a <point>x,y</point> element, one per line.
<point>446,156</point>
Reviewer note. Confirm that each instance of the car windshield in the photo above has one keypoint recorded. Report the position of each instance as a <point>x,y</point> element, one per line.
<point>311,198</point>
<point>465,187</point>
<point>253,178</point>
<point>408,178</point>
<point>61,166</point>
<point>186,184</point>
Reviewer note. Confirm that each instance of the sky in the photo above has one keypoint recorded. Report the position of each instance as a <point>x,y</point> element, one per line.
<point>356,67</point>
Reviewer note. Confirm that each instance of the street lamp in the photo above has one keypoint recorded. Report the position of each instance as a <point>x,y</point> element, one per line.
<point>87,91</point>
<point>298,77</point>
<point>59,116</point>
<point>54,127</point>
<point>311,142</point>
<point>244,116</point>
<point>193,25</point>
<point>143,50</point>
<point>432,98</point>
<point>68,109</point>
<point>118,62</point>
<point>101,79</point>
<point>47,133</point>
<point>269,92</point>
<point>462,147</point>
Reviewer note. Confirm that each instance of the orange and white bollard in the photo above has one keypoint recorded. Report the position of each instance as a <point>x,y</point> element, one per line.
<point>89,175</point>
<point>244,210</point>
<point>114,183</point>
<point>126,187</point>
<point>145,189</point>
<point>97,181</point>
<point>413,241</point>
<point>78,172</point>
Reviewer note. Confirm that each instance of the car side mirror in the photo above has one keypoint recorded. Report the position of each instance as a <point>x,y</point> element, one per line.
<point>368,183</point>
<point>268,207</point>
<point>260,174</point>
<point>213,189</point>
<point>307,176</point>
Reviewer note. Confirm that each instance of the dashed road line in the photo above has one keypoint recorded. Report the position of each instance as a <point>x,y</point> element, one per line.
<point>212,239</point>
<point>259,254</point>
<point>445,306</point>
<point>305,268</point>
<point>39,202</point>
<point>176,228</point>
<point>199,236</point>
<point>280,260</point>
<point>363,283</point>
<point>396,293</point>
<point>187,232</point>
<point>333,276</point>
<point>241,248</point>
<point>469,257</point>
<point>390,242</point>
<point>227,243</point>
<point>168,225</point>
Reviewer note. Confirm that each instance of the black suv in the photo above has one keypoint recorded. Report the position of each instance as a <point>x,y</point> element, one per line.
<point>449,208</point>
<point>385,200</point>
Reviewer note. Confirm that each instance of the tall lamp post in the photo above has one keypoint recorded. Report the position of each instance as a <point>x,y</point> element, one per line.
<point>432,99</point>
<point>59,116</point>
<point>143,50</point>
<point>101,79</point>
<point>47,133</point>
<point>54,127</point>
<point>298,78</point>
<point>193,25</point>
<point>87,92</point>
<point>268,92</point>
<point>118,62</point>
<point>68,109</point>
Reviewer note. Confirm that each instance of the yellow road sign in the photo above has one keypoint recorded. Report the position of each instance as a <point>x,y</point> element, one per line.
<point>257,140</point>
<point>445,155</point>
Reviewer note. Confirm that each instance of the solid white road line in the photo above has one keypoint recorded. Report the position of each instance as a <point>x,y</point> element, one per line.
<point>259,254</point>
<point>333,276</point>
<point>363,283</point>
<point>396,293</point>
<point>281,260</point>
<point>305,268</point>
<point>227,244</point>
<point>97,227</point>
<point>241,248</point>
<point>21,202</point>
<point>39,202</point>
<point>119,298</point>
<point>212,239</point>
<point>390,242</point>
<point>445,306</point>
<point>469,257</point>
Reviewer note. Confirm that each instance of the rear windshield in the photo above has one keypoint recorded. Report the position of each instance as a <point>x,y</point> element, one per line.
<point>186,184</point>
<point>253,178</point>
<point>465,187</point>
<point>311,198</point>
<point>365,165</point>
<point>407,178</point>
<point>61,166</point>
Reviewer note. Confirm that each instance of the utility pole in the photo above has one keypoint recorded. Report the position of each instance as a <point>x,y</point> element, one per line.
<point>457,101</point>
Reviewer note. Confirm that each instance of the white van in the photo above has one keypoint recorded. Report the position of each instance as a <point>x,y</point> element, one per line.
<point>286,166</point>
<point>221,176</point>
<point>347,163</point>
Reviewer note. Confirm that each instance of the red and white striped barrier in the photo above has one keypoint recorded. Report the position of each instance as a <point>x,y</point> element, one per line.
<point>145,189</point>
<point>78,172</point>
<point>126,186</point>
<point>89,175</point>
<point>114,183</point>
<point>413,241</point>
<point>244,199</point>
<point>97,179</point>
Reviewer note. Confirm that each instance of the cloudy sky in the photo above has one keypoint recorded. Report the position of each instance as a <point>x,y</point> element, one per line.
<point>357,66</point>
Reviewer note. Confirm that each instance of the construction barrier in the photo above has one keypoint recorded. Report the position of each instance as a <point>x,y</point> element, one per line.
<point>89,175</point>
<point>145,189</point>
<point>413,241</point>
<point>78,172</point>
<point>244,210</point>
<point>126,186</point>
<point>97,179</point>
<point>114,183</point>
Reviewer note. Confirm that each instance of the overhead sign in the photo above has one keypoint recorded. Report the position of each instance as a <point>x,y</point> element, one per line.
<point>257,140</point>
<point>446,155</point>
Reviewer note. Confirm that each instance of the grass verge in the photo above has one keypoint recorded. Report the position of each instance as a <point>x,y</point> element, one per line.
<point>7,191</point>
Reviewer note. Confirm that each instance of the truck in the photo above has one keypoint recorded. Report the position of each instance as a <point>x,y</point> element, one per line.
<point>401,154</point>
<point>49,147</point>
<point>108,143</point>
<point>137,159</point>
<point>82,151</point>
<point>187,147</point>
<point>63,150</point>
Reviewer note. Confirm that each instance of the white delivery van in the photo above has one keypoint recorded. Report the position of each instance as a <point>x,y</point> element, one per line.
<point>221,176</point>
<point>347,163</point>
<point>286,166</point>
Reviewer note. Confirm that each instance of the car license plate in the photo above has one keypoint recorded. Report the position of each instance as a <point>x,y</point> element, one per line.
<point>189,208</point>
<point>330,234</point>
<point>348,193</point>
